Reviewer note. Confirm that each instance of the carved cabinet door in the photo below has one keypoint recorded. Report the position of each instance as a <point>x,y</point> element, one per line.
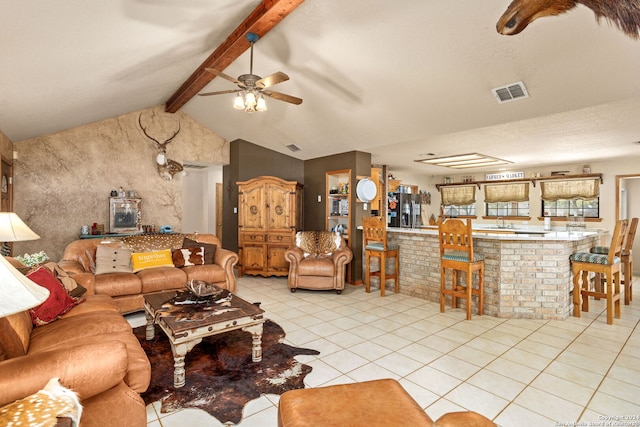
<point>251,208</point>
<point>280,208</point>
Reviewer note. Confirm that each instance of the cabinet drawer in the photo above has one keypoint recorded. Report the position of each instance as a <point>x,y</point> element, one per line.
<point>252,237</point>
<point>279,238</point>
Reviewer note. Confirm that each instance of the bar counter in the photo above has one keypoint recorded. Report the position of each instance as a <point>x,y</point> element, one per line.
<point>527,275</point>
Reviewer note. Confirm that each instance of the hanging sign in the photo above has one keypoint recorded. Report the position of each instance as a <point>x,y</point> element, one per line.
<point>503,175</point>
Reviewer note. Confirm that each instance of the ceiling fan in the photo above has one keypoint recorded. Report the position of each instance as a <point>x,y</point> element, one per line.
<point>252,87</point>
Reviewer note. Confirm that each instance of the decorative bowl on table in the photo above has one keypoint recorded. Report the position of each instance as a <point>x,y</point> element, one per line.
<point>203,289</point>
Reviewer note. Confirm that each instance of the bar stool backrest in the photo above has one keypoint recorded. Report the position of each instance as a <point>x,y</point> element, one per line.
<point>455,235</point>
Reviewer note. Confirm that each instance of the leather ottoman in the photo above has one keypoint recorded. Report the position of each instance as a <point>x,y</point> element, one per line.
<point>381,403</point>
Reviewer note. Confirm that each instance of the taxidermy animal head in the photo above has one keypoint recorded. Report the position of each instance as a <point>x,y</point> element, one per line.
<point>167,168</point>
<point>42,408</point>
<point>624,14</point>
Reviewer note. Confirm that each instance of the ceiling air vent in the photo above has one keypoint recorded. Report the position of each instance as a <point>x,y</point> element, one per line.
<point>293,147</point>
<point>510,92</point>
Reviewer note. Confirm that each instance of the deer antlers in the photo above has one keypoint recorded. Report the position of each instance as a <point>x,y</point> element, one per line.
<point>166,167</point>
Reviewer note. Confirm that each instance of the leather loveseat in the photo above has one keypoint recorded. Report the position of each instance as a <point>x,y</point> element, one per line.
<point>318,260</point>
<point>127,287</point>
<point>91,349</point>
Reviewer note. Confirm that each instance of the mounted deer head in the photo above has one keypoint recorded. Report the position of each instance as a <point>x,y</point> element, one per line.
<point>167,168</point>
<point>624,14</point>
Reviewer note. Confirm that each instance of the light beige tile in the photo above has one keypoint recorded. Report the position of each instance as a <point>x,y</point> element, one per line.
<point>516,371</point>
<point>344,361</point>
<point>420,353</point>
<point>606,404</point>
<point>516,415</point>
<point>476,399</point>
<point>621,390</point>
<point>496,383</point>
<point>548,405</point>
<point>440,344</point>
<point>399,364</point>
<point>472,355</point>
<point>575,374</point>
<point>527,359</point>
<point>421,395</point>
<point>563,388</point>
<point>370,372</point>
<point>455,367</point>
<point>441,407</point>
<point>434,380</point>
<point>370,350</point>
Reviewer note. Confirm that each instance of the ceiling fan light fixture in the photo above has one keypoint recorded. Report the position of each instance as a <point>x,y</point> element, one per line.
<point>238,104</point>
<point>262,104</point>
<point>250,99</point>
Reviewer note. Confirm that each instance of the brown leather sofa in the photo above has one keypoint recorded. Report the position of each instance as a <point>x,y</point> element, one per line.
<point>318,260</point>
<point>127,289</point>
<point>91,349</point>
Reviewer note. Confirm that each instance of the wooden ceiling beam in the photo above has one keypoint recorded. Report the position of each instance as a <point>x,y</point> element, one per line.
<point>267,15</point>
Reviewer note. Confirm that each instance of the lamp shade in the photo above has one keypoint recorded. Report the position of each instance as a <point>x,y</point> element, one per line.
<point>18,292</point>
<point>13,229</point>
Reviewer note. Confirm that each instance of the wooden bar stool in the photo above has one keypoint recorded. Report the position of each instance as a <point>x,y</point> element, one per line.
<point>456,253</point>
<point>626,257</point>
<point>374,231</point>
<point>609,265</point>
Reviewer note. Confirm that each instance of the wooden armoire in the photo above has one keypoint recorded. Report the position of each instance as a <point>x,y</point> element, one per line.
<point>269,214</point>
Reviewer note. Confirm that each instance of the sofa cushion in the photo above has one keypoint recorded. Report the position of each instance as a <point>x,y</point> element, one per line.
<point>209,249</point>
<point>117,284</point>
<point>316,267</point>
<point>71,330</point>
<point>112,260</point>
<point>211,273</point>
<point>59,301</point>
<point>161,279</point>
<point>153,259</point>
<point>188,256</point>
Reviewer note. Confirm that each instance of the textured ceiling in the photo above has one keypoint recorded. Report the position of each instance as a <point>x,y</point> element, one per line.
<point>397,79</point>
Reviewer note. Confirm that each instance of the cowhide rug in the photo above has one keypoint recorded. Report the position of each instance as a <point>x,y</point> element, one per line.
<point>221,378</point>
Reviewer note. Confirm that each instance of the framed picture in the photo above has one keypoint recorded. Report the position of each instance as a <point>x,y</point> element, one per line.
<point>125,215</point>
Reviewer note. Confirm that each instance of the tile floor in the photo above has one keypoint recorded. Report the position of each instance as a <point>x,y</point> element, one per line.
<point>516,372</point>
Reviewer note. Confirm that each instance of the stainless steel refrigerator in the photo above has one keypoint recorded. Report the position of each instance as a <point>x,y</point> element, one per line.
<point>404,210</point>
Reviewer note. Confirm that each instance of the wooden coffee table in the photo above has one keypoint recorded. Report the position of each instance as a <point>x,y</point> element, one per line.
<point>187,324</point>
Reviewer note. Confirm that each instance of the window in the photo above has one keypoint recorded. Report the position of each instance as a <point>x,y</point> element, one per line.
<point>508,209</point>
<point>459,200</point>
<point>571,198</point>
<point>507,199</point>
<point>464,210</point>
<point>573,207</point>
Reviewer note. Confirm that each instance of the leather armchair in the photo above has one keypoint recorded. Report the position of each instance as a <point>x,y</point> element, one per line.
<point>318,260</point>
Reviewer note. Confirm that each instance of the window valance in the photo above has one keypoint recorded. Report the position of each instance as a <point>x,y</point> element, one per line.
<point>583,189</point>
<point>458,196</point>
<point>518,192</point>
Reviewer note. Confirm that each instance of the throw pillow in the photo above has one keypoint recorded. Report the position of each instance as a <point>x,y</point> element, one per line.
<point>72,287</point>
<point>188,256</point>
<point>112,260</point>
<point>58,303</point>
<point>145,260</point>
<point>209,249</point>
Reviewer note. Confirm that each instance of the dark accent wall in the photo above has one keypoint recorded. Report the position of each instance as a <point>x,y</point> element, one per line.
<point>315,212</point>
<point>246,161</point>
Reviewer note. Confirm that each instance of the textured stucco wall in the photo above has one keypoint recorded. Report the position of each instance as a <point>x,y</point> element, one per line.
<point>62,181</point>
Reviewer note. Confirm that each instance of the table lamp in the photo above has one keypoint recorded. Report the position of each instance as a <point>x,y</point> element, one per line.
<point>18,293</point>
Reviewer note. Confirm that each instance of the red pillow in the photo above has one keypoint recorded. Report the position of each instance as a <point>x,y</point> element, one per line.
<point>58,303</point>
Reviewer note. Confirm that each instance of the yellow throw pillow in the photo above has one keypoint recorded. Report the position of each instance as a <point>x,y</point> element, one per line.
<point>144,260</point>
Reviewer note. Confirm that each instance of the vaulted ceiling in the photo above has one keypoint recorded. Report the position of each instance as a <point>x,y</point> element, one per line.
<point>398,79</point>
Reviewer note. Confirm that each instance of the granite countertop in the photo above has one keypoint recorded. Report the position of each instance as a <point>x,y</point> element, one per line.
<point>521,233</point>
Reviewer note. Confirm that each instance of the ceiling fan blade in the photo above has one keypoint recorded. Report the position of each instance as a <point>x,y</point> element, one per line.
<point>273,79</point>
<point>282,97</point>
<point>223,75</point>
<point>220,92</point>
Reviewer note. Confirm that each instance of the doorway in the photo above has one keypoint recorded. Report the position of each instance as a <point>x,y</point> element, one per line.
<point>628,206</point>
<point>199,201</point>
